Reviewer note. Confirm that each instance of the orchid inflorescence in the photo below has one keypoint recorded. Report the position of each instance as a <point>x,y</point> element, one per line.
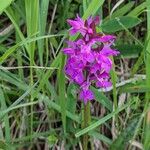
<point>88,59</point>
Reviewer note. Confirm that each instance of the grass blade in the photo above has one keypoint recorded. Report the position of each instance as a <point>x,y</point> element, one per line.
<point>6,118</point>
<point>92,8</point>
<point>102,120</point>
<point>42,26</point>
<point>62,92</point>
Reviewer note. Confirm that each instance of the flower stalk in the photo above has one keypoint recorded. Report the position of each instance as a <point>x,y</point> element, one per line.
<point>86,122</point>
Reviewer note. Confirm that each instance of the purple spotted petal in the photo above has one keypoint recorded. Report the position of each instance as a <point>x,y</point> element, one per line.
<point>107,51</point>
<point>94,68</point>
<point>68,51</point>
<point>86,95</point>
<point>103,84</point>
<point>107,38</point>
<point>106,63</point>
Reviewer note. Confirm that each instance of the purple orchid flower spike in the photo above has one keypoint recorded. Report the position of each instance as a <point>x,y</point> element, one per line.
<point>88,61</point>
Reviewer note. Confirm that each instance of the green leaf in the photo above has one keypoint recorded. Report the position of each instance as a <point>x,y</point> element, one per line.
<point>71,98</point>
<point>43,10</point>
<point>123,10</point>
<point>35,135</point>
<point>62,92</point>
<point>100,137</point>
<point>50,104</point>
<point>138,87</point>
<point>6,117</point>
<point>125,136</point>
<point>71,104</point>
<point>3,145</point>
<point>93,7</point>
<point>102,120</point>
<point>4,4</point>
<point>32,19</point>
<point>119,23</point>
<point>52,139</point>
<point>129,50</point>
<point>22,43</point>
<point>138,10</point>
<point>147,137</point>
<point>101,98</point>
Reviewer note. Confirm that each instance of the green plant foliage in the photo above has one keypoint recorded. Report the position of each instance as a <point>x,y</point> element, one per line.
<point>126,135</point>
<point>129,50</point>
<point>101,98</point>
<point>117,24</point>
<point>4,4</point>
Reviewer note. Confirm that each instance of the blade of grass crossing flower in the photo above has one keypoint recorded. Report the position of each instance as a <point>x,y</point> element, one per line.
<point>6,117</point>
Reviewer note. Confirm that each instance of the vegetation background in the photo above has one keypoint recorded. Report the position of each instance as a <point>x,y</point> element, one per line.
<point>39,109</point>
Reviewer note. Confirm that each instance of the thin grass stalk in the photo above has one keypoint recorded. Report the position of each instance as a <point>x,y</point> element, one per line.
<point>62,87</point>
<point>6,117</point>
<point>43,12</point>
<point>113,78</point>
<point>86,122</point>
<point>32,11</point>
<point>16,18</point>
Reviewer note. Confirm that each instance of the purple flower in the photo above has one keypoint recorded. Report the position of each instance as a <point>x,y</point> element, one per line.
<point>77,25</point>
<point>86,95</point>
<point>88,59</point>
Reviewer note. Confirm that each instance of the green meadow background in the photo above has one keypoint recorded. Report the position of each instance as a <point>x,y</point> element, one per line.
<point>40,109</point>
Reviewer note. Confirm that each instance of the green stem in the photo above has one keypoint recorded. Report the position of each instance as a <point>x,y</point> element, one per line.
<point>31,98</point>
<point>86,122</point>
<point>114,80</point>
